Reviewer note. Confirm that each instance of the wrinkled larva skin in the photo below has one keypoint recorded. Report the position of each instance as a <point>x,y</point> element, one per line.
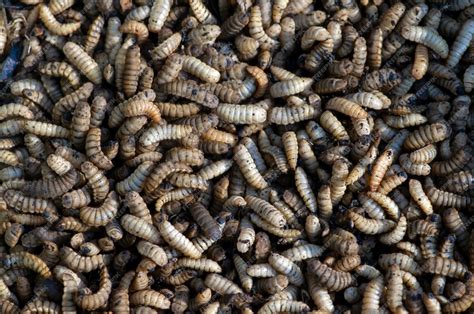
<point>236,156</point>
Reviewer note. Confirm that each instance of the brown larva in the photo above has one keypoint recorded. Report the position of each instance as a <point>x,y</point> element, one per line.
<point>54,25</point>
<point>191,91</point>
<point>79,58</point>
<point>177,240</point>
<point>27,260</point>
<point>141,228</point>
<point>136,28</point>
<point>102,215</point>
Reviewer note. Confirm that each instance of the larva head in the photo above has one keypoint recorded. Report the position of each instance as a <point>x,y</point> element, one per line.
<point>88,167</point>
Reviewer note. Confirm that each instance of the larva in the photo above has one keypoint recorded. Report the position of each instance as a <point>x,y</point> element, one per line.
<point>267,211</point>
<point>247,166</point>
<point>221,284</point>
<point>94,34</point>
<point>331,279</point>
<point>346,107</point>
<point>80,59</point>
<point>97,181</point>
<point>102,215</point>
<point>191,91</point>
<point>290,87</point>
<point>53,25</point>
<point>167,47</point>
<point>291,115</point>
<point>27,260</point>
<point>201,70</point>
<point>241,114</point>
<point>303,186</point>
<point>97,299</point>
<point>131,70</point>
<point>150,298</point>
<point>201,12</point>
<point>158,14</point>
<point>177,240</point>
<point>138,29</point>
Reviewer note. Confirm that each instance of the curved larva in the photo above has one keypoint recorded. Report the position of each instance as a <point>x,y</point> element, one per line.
<point>282,233</point>
<point>68,102</point>
<point>53,25</point>
<point>102,215</point>
<point>285,266</point>
<point>58,6</point>
<point>96,300</point>
<point>136,28</point>
<point>160,172</point>
<point>94,150</point>
<point>29,261</point>
<point>58,164</point>
<point>94,34</point>
<point>440,198</point>
<point>427,134</point>
<point>177,240</point>
<point>390,207</point>
<point>135,181</point>
<point>332,279</point>
<point>420,169</point>
<point>370,226</point>
<point>96,180</point>
<point>241,114</point>
<point>312,35</point>
<point>396,234</point>
<point>417,193</point>
<point>256,30</point>
<point>51,187</point>
<point>245,162</point>
<point>428,37</point>
<point>142,107</point>
<point>61,69</point>
<point>116,116</point>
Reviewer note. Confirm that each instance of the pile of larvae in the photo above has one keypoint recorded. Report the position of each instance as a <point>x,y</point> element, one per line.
<point>236,156</point>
